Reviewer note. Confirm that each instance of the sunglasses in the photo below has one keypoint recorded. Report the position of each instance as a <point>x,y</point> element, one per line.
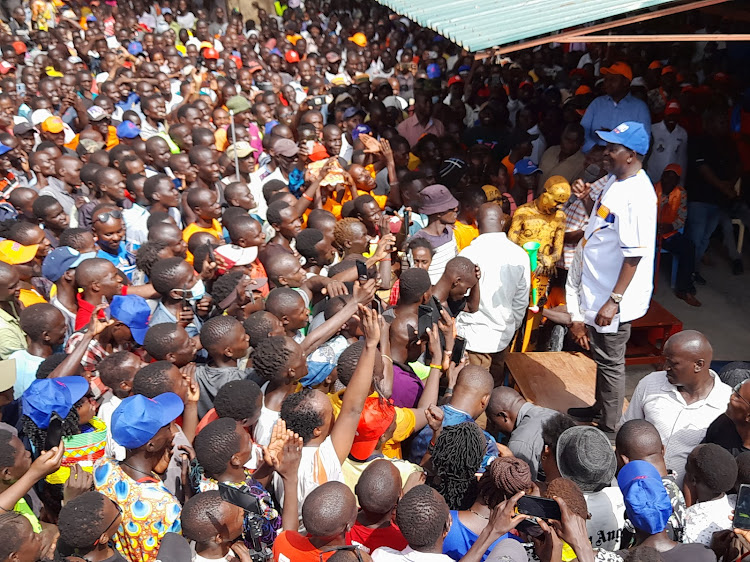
<point>351,547</point>
<point>104,217</point>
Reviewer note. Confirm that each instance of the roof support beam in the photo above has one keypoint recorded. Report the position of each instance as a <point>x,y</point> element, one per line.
<point>578,32</point>
<point>656,38</point>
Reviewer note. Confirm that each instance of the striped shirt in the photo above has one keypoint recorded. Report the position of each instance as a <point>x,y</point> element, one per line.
<point>681,426</point>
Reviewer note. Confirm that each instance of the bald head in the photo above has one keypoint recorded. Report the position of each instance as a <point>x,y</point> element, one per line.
<point>690,343</point>
<point>505,399</point>
<point>283,301</point>
<point>638,440</point>
<point>474,380</point>
<point>91,270</point>
<point>490,218</point>
<point>328,510</point>
<point>379,488</point>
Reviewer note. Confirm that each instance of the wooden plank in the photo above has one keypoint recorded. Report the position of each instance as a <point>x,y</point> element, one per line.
<point>557,380</point>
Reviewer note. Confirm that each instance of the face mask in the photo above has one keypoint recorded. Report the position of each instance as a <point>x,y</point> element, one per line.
<point>198,291</point>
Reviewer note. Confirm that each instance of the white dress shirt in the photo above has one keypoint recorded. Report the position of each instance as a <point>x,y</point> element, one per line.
<point>504,293</point>
<point>681,426</point>
<point>622,225</point>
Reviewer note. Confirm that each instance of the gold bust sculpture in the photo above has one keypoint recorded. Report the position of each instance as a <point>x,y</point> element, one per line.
<point>542,221</point>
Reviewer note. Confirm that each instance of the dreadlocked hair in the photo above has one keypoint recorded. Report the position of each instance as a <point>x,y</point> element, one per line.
<point>37,435</point>
<point>457,456</point>
<point>504,477</point>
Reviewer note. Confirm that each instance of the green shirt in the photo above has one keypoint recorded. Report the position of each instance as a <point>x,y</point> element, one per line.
<point>12,337</point>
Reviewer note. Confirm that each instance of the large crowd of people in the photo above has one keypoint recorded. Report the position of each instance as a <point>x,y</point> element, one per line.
<point>260,275</point>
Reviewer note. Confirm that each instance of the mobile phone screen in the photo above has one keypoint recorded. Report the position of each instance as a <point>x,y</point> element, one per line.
<point>542,508</point>
<point>742,508</point>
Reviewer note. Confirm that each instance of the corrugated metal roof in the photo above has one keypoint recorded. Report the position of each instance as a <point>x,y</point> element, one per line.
<point>481,24</point>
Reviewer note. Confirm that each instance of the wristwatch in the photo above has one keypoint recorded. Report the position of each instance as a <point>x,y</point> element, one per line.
<point>616,297</point>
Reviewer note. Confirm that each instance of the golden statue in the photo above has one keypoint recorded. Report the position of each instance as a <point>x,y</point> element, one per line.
<point>542,221</point>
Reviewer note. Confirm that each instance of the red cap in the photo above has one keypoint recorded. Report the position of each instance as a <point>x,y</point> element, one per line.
<point>673,108</point>
<point>254,66</point>
<point>676,168</point>
<point>19,47</point>
<point>318,152</point>
<point>377,416</point>
<point>654,65</point>
<point>667,70</point>
<point>291,56</point>
<point>237,60</point>
<point>455,80</point>
<point>6,67</point>
<point>211,53</point>
<point>525,83</point>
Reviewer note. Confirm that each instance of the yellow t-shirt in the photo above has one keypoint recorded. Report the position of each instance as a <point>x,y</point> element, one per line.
<point>193,228</point>
<point>464,233</point>
<point>405,423</point>
<point>29,297</point>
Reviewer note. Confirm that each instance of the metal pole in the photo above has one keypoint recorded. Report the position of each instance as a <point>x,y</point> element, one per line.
<point>234,142</point>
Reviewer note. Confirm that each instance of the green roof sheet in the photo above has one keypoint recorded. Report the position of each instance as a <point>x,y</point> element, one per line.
<point>480,24</point>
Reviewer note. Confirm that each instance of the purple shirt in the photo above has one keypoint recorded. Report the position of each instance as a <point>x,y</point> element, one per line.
<point>407,388</point>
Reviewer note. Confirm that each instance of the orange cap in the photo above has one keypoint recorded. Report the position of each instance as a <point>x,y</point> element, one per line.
<point>654,65</point>
<point>676,168</point>
<point>359,39</point>
<point>667,70</point>
<point>53,124</point>
<point>621,68</point>
<point>582,90</point>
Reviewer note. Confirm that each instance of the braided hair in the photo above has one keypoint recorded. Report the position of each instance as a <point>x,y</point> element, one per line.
<point>37,435</point>
<point>457,456</point>
<point>504,477</point>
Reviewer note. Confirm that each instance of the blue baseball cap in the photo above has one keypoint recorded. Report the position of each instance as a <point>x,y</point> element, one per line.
<point>60,260</point>
<point>4,149</point>
<point>128,130</point>
<point>361,129</point>
<point>630,134</point>
<point>44,397</point>
<point>526,167</point>
<point>646,500</point>
<point>135,48</point>
<point>134,312</point>
<point>433,70</point>
<point>137,419</point>
<point>352,111</point>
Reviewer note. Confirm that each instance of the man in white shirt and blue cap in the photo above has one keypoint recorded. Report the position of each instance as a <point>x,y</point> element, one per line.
<point>618,266</point>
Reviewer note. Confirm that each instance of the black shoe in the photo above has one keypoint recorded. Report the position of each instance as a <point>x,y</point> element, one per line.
<point>698,278</point>
<point>737,267</point>
<point>583,414</point>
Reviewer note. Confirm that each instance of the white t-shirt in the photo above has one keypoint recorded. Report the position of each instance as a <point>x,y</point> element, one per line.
<point>266,421</point>
<point>703,519</point>
<point>317,466</point>
<point>607,509</point>
<point>386,554</point>
<point>622,225</point>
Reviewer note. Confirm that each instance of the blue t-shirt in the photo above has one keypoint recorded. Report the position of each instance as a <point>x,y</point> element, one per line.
<point>460,539</point>
<point>124,260</point>
<point>452,416</point>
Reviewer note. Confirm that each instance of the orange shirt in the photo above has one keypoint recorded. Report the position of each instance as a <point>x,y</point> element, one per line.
<point>191,229</point>
<point>510,166</point>
<point>290,546</point>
